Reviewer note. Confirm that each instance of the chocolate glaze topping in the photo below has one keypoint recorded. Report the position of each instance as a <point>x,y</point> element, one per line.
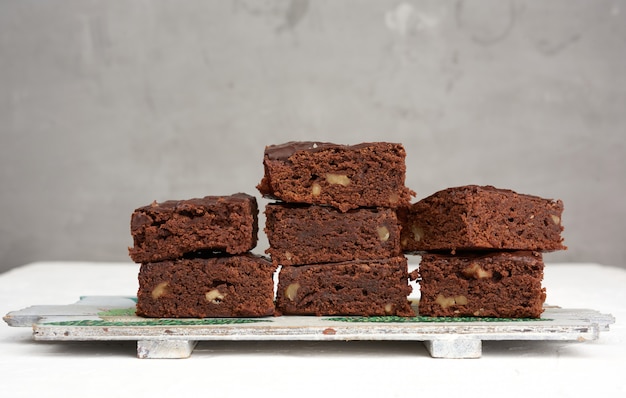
<point>284,151</point>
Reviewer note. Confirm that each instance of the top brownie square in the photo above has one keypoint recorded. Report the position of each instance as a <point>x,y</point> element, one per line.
<point>481,217</point>
<point>173,229</point>
<point>342,176</point>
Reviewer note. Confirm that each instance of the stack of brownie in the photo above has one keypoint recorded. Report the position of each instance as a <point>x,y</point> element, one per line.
<point>196,262</point>
<point>334,228</point>
<point>481,250</point>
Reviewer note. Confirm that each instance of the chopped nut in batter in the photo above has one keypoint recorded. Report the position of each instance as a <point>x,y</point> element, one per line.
<point>446,302</point>
<point>214,296</point>
<point>383,233</point>
<point>316,189</point>
<point>291,291</point>
<point>477,272</point>
<point>338,179</point>
<point>418,233</point>
<point>160,290</point>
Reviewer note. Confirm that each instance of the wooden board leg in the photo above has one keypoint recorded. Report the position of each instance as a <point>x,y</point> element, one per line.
<point>454,348</point>
<point>159,349</point>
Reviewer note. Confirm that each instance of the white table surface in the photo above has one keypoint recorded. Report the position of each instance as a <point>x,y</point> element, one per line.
<point>306,369</point>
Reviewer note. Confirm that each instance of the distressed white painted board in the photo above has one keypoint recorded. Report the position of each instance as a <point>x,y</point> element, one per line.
<point>113,318</point>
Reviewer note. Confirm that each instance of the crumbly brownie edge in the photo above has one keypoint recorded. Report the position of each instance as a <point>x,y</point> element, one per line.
<point>303,177</point>
<point>216,286</point>
<point>311,234</point>
<point>504,285</point>
<point>172,229</point>
<point>364,288</point>
<point>482,217</point>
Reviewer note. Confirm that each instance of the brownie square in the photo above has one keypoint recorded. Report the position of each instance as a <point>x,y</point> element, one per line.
<point>218,286</point>
<point>482,217</point>
<point>343,176</point>
<point>173,229</point>
<point>501,284</point>
<point>309,234</point>
<point>365,288</point>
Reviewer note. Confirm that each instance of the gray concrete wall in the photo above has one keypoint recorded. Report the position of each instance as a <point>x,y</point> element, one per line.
<point>108,105</point>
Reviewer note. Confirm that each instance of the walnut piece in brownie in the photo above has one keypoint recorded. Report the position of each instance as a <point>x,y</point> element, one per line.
<point>308,234</point>
<point>481,217</point>
<point>216,286</point>
<point>365,288</point>
<point>173,229</point>
<point>343,176</point>
<point>500,284</point>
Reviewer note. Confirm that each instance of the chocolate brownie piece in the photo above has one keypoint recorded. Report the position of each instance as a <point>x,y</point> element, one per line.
<point>173,229</point>
<point>360,287</point>
<point>214,286</point>
<point>500,284</point>
<point>482,217</point>
<point>343,176</point>
<point>308,234</point>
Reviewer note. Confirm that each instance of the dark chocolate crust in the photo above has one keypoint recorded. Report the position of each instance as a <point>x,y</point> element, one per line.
<point>482,217</point>
<point>284,151</point>
<point>173,229</point>
<point>308,234</point>
<point>365,288</point>
<point>217,286</point>
<point>343,176</point>
<point>501,284</point>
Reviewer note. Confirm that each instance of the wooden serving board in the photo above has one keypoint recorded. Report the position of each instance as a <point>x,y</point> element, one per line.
<point>113,318</point>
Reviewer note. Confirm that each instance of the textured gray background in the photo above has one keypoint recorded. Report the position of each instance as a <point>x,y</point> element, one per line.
<point>108,105</point>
